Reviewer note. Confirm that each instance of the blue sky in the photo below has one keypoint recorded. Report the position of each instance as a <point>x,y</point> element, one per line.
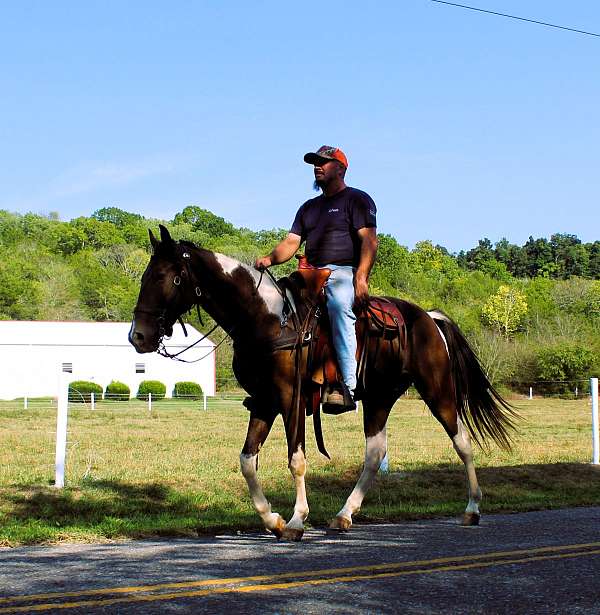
<point>460,125</point>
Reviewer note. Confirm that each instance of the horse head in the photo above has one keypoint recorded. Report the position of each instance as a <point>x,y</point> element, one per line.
<point>164,293</point>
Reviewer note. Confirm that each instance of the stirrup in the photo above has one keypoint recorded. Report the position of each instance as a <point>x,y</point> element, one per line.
<point>336,401</point>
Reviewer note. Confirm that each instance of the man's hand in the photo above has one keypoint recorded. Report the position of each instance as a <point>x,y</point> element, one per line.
<point>264,262</point>
<point>283,251</point>
<point>361,292</point>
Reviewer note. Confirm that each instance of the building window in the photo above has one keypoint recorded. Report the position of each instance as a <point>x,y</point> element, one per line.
<point>67,367</point>
<point>140,368</point>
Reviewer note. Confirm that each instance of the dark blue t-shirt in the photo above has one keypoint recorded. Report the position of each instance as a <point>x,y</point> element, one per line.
<point>329,226</point>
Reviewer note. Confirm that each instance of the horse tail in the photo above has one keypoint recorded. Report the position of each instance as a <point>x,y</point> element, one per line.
<point>481,408</point>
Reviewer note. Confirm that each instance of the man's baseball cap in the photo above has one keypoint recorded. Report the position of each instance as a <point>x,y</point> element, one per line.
<point>326,152</point>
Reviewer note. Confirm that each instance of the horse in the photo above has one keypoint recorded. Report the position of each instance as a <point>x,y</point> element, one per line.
<point>251,307</point>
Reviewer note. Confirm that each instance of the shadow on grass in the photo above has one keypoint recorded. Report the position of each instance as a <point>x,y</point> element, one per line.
<point>112,509</point>
<point>440,490</point>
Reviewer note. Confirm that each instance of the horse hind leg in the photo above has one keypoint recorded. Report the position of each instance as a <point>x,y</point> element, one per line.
<point>444,410</point>
<point>258,430</point>
<point>375,449</point>
<point>462,445</point>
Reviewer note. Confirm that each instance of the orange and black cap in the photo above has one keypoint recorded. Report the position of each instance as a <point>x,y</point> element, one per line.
<point>324,153</point>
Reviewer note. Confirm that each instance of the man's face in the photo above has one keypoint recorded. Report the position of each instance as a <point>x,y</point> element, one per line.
<point>326,171</point>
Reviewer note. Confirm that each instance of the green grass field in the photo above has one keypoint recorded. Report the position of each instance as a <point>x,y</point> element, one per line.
<point>175,471</point>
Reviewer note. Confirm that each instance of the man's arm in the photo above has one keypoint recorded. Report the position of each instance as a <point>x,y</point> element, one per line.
<point>282,252</point>
<point>368,252</point>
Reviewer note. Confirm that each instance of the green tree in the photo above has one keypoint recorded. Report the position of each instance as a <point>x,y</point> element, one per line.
<point>593,250</point>
<point>538,257</point>
<point>391,272</point>
<point>20,296</point>
<point>59,292</point>
<point>204,220</point>
<point>105,291</point>
<point>570,256</point>
<point>592,300</point>
<point>116,216</point>
<point>98,234</point>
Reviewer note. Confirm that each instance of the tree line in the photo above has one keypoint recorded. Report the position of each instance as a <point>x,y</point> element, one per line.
<point>532,312</point>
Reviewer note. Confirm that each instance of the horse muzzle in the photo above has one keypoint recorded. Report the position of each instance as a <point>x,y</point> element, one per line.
<point>142,339</point>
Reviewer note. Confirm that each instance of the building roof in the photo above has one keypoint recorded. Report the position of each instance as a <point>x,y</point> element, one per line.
<point>53,333</point>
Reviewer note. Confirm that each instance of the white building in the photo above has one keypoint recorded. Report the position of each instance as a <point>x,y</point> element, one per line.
<point>33,353</point>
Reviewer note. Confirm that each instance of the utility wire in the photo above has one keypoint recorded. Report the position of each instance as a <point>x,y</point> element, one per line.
<point>542,23</point>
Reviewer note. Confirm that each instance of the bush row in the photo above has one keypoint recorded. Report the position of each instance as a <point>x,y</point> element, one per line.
<point>81,390</point>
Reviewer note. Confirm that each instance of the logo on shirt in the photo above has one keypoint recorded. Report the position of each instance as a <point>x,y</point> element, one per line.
<point>333,210</point>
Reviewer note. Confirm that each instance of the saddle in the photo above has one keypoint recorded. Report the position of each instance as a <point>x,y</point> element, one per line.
<point>308,328</point>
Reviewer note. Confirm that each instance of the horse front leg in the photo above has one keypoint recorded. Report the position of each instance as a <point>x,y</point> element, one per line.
<point>294,528</point>
<point>374,421</point>
<point>258,430</point>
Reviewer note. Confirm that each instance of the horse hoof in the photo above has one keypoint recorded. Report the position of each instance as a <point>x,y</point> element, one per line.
<point>290,533</point>
<point>470,519</point>
<point>279,527</point>
<point>341,524</point>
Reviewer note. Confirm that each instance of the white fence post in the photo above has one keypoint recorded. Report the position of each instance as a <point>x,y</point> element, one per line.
<point>149,402</point>
<point>595,443</point>
<point>61,431</point>
<point>530,392</point>
<point>25,403</point>
<point>92,400</point>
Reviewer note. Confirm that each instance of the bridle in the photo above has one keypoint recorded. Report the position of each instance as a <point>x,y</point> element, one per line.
<point>162,317</point>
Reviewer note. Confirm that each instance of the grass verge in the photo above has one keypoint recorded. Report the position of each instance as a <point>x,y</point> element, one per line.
<point>174,471</point>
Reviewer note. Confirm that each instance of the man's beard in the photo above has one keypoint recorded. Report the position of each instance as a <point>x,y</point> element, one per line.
<point>319,184</point>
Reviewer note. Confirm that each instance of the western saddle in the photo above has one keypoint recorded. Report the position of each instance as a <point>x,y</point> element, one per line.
<point>305,327</point>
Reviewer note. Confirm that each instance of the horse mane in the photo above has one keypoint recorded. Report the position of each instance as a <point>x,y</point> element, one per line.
<point>262,282</point>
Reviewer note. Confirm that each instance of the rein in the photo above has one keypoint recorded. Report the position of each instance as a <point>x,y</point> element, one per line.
<point>287,305</point>
<point>162,351</point>
<point>165,353</point>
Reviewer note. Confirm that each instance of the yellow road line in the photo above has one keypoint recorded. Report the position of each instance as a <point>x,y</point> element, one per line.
<point>214,586</point>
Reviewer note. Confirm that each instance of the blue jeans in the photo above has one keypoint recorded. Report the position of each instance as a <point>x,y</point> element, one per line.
<point>339,292</point>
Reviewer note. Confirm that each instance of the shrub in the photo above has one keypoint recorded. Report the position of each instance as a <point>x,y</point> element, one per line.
<point>189,390</point>
<point>80,391</point>
<point>117,391</point>
<point>562,364</point>
<point>156,388</point>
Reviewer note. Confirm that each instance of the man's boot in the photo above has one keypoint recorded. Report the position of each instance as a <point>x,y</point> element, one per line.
<point>338,400</point>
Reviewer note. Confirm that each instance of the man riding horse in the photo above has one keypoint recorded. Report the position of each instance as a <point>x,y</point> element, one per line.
<point>339,228</point>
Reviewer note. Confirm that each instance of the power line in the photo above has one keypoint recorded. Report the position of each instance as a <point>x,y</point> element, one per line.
<point>542,23</point>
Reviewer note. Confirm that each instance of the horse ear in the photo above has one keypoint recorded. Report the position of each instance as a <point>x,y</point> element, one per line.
<point>164,234</point>
<point>153,240</point>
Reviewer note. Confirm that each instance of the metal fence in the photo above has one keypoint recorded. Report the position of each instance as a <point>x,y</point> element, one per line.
<point>229,392</point>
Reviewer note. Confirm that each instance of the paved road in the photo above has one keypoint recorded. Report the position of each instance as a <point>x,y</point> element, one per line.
<point>542,562</point>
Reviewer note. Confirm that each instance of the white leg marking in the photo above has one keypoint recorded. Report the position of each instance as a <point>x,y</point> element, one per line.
<point>271,520</point>
<point>462,445</point>
<point>298,470</point>
<point>374,454</point>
